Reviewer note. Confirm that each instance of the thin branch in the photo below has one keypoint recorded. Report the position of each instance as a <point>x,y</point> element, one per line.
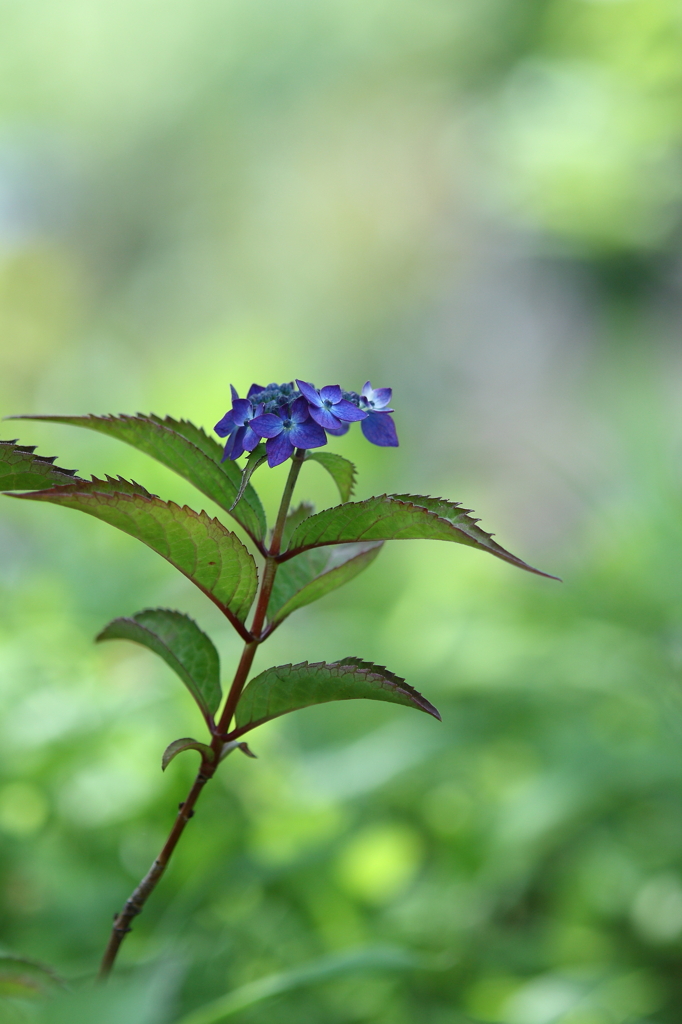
<point>264,597</point>
<point>135,903</point>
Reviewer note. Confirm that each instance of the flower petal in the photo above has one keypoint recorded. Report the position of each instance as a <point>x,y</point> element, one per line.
<point>379,428</point>
<point>367,390</point>
<point>347,411</point>
<point>325,418</point>
<point>233,391</point>
<point>299,410</point>
<point>278,450</point>
<point>339,431</point>
<point>225,425</point>
<point>331,393</point>
<point>267,425</point>
<point>250,439</point>
<point>237,444</point>
<point>229,444</point>
<point>242,411</point>
<point>307,435</point>
<point>309,392</point>
<point>381,397</point>
<point>255,389</point>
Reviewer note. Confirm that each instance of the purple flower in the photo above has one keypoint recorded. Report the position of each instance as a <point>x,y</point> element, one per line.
<point>236,426</point>
<point>286,429</point>
<point>328,407</point>
<point>339,431</point>
<point>379,427</point>
<point>291,418</point>
<point>375,400</point>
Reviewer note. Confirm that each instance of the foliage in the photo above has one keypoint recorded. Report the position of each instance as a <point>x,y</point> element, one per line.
<point>178,640</point>
<point>218,563</point>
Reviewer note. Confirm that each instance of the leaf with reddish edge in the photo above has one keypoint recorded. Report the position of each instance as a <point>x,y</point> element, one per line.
<point>21,470</point>
<point>397,517</point>
<point>210,555</point>
<point>186,743</point>
<point>188,451</point>
<point>183,646</point>
<point>285,688</point>
<point>315,573</point>
<point>341,470</point>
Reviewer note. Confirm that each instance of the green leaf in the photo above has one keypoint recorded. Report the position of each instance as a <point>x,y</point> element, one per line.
<point>21,470</point>
<point>317,572</point>
<point>26,979</point>
<point>334,965</point>
<point>178,640</point>
<point>186,449</point>
<point>212,557</point>
<point>341,470</point>
<point>227,748</point>
<point>397,517</point>
<point>186,743</point>
<point>256,458</point>
<point>287,688</point>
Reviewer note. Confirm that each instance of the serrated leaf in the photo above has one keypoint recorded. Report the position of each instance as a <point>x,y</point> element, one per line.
<point>110,485</point>
<point>286,688</point>
<point>256,458</point>
<point>397,517</point>
<point>212,557</point>
<point>26,979</point>
<point>188,451</point>
<point>341,471</point>
<point>21,470</point>
<point>186,743</point>
<point>178,640</point>
<point>315,573</point>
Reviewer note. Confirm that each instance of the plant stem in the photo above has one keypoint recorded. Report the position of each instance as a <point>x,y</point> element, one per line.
<point>135,903</point>
<point>269,572</point>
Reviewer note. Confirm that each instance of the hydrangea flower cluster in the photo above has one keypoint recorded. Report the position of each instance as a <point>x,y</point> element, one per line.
<point>292,416</point>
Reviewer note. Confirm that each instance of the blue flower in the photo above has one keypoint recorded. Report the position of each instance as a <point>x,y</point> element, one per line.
<point>329,408</point>
<point>379,427</point>
<point>377,399</point>
<point>286,429</point>
<point>236,426</point>
<point>291,418</point>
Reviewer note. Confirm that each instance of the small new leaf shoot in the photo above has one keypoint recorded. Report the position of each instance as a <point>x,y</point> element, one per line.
<point>236,745</point>
<point>256,458</point>
<point>186,743</point>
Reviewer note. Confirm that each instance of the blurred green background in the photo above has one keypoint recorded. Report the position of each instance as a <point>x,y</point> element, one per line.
<point>478,203</point>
